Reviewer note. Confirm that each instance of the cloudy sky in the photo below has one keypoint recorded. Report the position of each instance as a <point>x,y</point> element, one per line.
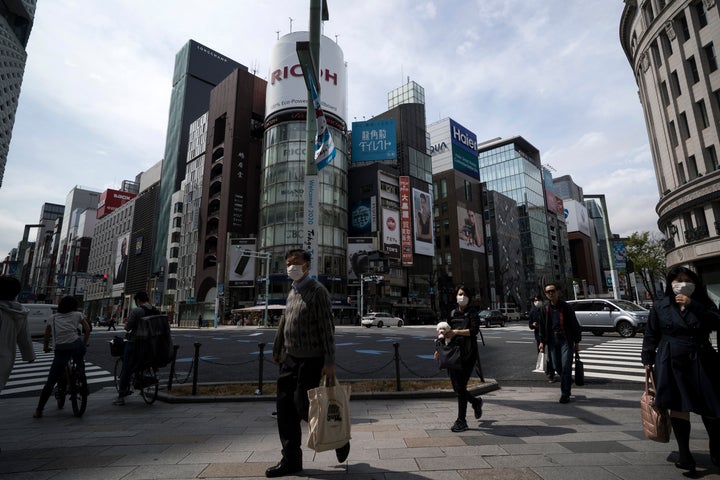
<point>94,103</point>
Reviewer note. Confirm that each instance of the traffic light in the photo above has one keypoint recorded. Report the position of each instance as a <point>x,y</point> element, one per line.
<point>105,277</point>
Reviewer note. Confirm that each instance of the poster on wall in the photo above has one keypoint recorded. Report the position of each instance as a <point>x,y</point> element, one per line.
<point>391,232</point>
<point>242,262</point>
<point>358,250</point>
<point>121,260</point>
<point>422,216</point>
<point>470,230</point>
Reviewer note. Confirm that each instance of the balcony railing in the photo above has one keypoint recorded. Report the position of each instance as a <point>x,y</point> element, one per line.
<point>696,234</point>
<point>668,244</point>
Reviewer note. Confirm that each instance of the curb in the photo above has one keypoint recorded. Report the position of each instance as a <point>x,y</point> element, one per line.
<point>490,385</point>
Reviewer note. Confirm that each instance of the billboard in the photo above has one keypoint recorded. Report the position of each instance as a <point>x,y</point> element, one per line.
<point>423,231</point>
<point>576,217</point>
<point>110,200</point>
<point>358,262</point>
<point>619,254</point>
<point>554,202</point>
<point>391,232</point>
<point>470,230</point>
<point>241,262</point>
<point>374,140</point>
<point>405,221</point>
<point>361,219</point>
<point>286,89</point>
<point>121,259</point>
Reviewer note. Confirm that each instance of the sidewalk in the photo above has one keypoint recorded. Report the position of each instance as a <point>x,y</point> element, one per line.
<point>524,434</point>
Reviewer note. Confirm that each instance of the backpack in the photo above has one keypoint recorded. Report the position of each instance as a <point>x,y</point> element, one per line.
<point>153,339</point>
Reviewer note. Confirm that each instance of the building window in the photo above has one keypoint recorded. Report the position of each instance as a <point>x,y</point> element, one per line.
<point>675,84</point>
<point>684,127</point>
<point>711,159</point>
<point>710,56</point>
<point>648,12</point>
<point>701,15</point>
<point>656,54</point>
<point>664,94</point>
<point>692,167</point>
<point>684,29</point>
<point>443,188</point>
<point>468,190</point>
<point>673,134</point>
<point>692,68</point>
<point>661,4</point>
<point>667,46</point>
<point>682,179</point>
<point>702,114</point>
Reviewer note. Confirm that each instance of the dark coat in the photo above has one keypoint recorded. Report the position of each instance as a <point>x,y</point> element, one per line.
<point>570,323</point>
<point>466,320</point>
<point>535,315</point>
<point>686,364</point>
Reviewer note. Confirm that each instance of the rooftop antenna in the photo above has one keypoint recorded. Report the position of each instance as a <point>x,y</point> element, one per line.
<point>336,38</point>
<point>291,20</point>
<point>277,32</point>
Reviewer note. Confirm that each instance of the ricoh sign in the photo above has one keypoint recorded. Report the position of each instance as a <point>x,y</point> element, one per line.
<point>286,88</point>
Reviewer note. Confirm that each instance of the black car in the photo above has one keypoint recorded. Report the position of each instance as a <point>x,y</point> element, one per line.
<point>490,317</point>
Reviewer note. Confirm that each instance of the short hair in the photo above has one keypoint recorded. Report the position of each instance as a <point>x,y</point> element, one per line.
<point>67,304</point>
<point>554,284</point>
<point>468,292</point>
<point>299,252</point>
<point>537,297</point>
<point>141,296</point>
<point>10,287</point>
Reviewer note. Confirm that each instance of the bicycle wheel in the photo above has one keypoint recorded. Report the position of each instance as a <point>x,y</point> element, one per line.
<point>78,393</point>
<point>118,369</point>
<point>60,390</point>
<point>149,385</point>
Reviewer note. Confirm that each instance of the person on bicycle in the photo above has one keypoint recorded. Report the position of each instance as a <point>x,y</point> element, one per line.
<point>64,329</point>
<point>130,360</point>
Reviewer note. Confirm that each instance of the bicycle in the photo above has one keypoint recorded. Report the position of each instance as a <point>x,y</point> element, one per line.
<point>144,379</point>
<point>74,385</point>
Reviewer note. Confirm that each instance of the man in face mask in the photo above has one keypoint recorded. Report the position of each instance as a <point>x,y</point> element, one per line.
<point>304,347</point>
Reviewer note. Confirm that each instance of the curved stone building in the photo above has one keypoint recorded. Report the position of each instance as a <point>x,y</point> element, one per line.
<point>672,48</point>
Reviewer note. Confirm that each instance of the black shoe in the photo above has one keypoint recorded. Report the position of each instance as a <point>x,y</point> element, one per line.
<point>565,399</point>
<point>477,408</point>
<point>283,468</point>
<point>459,426</point>
<point>686,464</point>
<point>342,452</point>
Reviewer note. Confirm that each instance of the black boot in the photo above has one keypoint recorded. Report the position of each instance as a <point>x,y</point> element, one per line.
<point>681,429</point>
<point>712,425</point>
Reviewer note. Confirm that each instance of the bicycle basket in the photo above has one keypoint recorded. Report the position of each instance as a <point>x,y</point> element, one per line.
<point>117,346</point>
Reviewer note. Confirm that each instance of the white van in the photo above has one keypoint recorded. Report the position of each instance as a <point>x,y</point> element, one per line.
<point>38,317</point>
<point>510,313</point>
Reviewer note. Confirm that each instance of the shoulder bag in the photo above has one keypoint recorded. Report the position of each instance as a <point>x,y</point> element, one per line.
<point>579,371</point>
<point>655,420</point>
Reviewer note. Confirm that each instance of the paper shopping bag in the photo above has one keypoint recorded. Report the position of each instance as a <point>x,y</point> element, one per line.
<point>329,416</point>
<point>540,363</point>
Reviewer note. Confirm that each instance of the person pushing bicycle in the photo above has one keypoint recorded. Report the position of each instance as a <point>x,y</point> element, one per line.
<point>63,328</point>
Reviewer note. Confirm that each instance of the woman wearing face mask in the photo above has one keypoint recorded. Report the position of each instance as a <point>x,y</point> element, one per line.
<point>465,327</point>
<point>676,345</point>
<point>535,317</point>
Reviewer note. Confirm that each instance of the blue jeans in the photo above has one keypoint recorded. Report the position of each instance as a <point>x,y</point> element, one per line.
<point>562,351</point>
<point>63,353</point>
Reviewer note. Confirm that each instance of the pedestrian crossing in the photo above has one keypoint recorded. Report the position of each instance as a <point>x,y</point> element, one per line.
<point>30,377</point>
<point>615,359</point>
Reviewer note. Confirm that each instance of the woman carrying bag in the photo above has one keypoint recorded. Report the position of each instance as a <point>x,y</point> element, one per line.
<point>465,326</point>
<point>687,371</point>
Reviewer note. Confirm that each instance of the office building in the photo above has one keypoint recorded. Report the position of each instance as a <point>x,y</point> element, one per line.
<point>16,21</point>
<point>42,273</point>
<point>672,49</point>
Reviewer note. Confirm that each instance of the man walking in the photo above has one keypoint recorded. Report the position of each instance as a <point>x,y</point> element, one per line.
<point>560,333</point>
<point>304,347</point>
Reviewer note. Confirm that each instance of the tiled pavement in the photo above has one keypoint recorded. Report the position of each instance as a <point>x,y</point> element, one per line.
<point>524,434</point>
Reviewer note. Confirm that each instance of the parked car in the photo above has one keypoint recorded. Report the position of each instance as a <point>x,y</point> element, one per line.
<point>599,315</point>
<point>490,317</point>
<point>39,314</point>
<point>380,319</point>
<point>510,313</point>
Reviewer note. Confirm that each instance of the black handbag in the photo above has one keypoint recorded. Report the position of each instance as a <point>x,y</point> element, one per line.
<point>449,356</point>
<point>579,371</point>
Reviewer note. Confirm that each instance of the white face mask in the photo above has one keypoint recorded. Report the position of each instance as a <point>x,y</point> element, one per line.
<point>685,288</point>
<point>462,300</point>
<point>537,303</point>
<point>295,272</point>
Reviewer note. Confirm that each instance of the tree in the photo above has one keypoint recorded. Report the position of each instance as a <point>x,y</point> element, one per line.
<point>648,258</point>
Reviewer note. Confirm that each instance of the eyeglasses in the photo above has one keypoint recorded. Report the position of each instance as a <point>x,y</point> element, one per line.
<point>550,292</point>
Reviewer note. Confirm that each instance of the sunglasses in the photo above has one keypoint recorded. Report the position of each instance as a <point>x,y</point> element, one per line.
<point>550,291</point>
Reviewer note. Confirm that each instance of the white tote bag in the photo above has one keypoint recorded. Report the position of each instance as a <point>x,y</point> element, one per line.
<point>540,363</point>
<point>329,415</point>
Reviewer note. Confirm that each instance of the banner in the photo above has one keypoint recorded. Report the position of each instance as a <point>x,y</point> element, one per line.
<point>324,146</point>
<point>405,221</point>
<point>422,206</point>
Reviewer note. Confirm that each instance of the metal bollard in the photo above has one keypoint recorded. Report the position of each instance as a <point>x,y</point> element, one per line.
<point>172,367</point>
<point>396,346</point>
<point>196,361</point>
<point>261,358</point>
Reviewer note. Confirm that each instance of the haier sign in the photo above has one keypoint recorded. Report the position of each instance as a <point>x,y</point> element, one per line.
<point>464,150</point>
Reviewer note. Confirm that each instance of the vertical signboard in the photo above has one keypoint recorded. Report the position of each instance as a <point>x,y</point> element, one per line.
<point>312,212</point>
<point>464,150</point>
<point>422,215</point>
<point>405,221</point>
<point>618,249</point>
<point>391,232</point>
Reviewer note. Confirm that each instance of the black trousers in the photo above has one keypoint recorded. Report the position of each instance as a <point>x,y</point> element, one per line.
<point>297,376</point>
